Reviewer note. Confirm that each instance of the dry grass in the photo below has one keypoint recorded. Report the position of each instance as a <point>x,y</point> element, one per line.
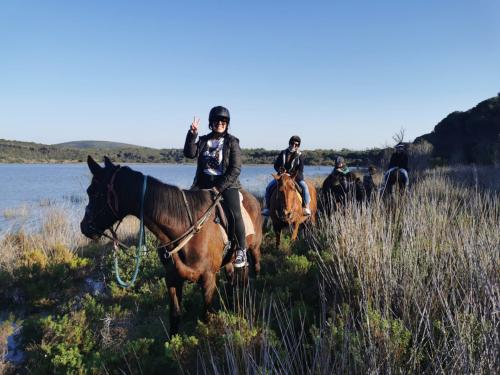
<point>408,286</point>
<point>430,259</point>
<point>11,213</point>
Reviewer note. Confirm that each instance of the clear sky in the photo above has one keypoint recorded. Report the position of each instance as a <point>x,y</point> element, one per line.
<point>341,74</point>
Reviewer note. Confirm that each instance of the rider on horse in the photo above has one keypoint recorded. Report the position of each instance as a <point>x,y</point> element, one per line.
<point>399,159</point>
<point>290,161</point>
<point>218,169</point>
<point>342,171</point>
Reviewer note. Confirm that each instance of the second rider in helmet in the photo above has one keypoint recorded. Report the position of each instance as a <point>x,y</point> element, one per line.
<point>290,161</point>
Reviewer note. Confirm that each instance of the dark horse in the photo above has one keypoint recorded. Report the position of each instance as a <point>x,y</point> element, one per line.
<point>338,189</point>
<point>395,179</point>
<point>115,192</point>
<point>285,206</point>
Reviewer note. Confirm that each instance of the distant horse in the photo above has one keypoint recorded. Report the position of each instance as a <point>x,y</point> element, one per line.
<point>395,179</point>
<point>285,206</point>
<point>338,189</point>
<point>115,192</point>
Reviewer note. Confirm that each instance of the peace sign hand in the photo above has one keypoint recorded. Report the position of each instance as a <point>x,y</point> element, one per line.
<point>194,125</point>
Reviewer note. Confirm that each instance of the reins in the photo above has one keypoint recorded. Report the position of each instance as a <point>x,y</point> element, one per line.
<point>140,244</point>
<point>193,229</point>
<point>182,240</point>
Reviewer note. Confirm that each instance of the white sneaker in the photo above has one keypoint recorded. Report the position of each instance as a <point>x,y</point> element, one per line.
<point>265,212</point>
<point>307,211</point>
<point>241,258</point>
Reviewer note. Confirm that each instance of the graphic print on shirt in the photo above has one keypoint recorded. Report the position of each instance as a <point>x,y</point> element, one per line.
<point>212,157</point>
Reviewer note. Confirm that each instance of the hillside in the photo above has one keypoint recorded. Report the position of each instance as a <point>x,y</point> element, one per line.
<point>94,145</point>
<point>472,136</point>
<point>29,152</point>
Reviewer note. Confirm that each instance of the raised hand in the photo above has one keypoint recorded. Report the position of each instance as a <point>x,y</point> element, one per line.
<point>194,125</point>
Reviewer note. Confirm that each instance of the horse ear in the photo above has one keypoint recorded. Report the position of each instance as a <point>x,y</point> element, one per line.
<point>108,163</point>
<point>95,168</point>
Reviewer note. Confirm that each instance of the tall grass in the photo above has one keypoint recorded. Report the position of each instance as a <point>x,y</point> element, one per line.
<point>407,285</point>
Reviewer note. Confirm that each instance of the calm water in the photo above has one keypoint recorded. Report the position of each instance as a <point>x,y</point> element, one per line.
<point>27,191</point>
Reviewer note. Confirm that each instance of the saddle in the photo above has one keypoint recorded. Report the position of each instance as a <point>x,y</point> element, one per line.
<point>221,220</point>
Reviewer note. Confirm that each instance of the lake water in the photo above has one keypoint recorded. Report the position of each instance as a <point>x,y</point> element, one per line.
<point>28,190</point>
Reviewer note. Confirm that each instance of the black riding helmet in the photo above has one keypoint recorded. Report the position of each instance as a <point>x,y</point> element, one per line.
<point>339,162</point>
<point>217,113</point>
<point>293,139</point>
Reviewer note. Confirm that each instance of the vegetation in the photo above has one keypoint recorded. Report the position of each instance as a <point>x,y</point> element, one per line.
<point>26,152</point>
<point>405,286</point>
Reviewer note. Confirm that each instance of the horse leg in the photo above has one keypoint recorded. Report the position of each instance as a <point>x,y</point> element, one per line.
<point>295,231</point>
<point>208,286</point>
<point>229,269</point>
<point>175,294</point>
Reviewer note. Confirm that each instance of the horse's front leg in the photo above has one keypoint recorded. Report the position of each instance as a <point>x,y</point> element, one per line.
<point>175,294</point>
<point>277,230</point>
<point>295,233</point>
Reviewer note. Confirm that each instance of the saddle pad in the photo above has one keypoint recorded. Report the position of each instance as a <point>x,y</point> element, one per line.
<point>247,221</point>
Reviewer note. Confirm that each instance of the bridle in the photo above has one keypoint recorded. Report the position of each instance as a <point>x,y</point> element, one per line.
<point>282,203</point>
<point>112,203</point>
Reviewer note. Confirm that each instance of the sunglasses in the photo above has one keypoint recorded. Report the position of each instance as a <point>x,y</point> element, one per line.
<point>220,121</point>
<point>295,144</point>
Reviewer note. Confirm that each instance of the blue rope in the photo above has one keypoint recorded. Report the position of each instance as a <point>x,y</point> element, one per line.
<point>138,250</point>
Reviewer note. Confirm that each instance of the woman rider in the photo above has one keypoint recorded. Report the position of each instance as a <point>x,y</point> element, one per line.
<point>219,166</point>
<point>290,161</point>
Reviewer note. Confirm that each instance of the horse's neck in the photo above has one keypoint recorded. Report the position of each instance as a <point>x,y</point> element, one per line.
<point>128,187</point>
<point>159,214</point>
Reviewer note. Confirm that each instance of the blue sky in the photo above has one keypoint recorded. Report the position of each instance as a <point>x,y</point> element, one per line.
<point>341,74</point>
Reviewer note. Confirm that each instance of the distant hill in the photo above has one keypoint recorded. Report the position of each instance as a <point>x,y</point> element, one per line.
<point>95,145</point>
<point>472,136</point>
<point>29,152</point>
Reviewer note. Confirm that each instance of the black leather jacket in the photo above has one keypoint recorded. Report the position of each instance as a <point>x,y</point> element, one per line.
<point>231,161</point>
<point>294,165</point>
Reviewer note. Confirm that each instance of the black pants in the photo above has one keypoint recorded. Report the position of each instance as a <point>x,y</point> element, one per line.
<point>232,209</point>
<point>233,212</point>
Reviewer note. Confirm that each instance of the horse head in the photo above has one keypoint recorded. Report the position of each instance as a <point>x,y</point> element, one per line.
<point>102,211</point>
<point>288,200</point>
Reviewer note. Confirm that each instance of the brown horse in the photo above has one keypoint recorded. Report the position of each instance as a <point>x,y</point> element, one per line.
<point>115,192</point>
<point>286,206</point>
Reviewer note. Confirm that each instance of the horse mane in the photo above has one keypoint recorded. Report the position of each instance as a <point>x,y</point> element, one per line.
<point>167,200</point>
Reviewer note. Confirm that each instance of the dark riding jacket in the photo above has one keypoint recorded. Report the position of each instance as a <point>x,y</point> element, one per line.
<point>292,162</point>
<point>231,160</point>
<point>399,160</point>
